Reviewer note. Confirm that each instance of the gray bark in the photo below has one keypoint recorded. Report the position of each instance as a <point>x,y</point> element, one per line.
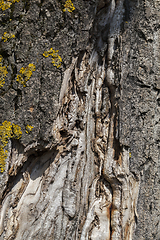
<point>88,169</point>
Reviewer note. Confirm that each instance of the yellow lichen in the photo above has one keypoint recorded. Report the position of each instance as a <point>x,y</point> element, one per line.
<point>51,52</point>
<point>29,128</point>
<point>5,134</point>
<point>7,131</point>
<point>3,156</point>
<point>25,74</point>
<point>68,6</point>
<point>56,59</point>
<point>7,36</point>
<point>7,4</point>
<point>17,133</point>
<point>130,154</point>
<point>3,72</point>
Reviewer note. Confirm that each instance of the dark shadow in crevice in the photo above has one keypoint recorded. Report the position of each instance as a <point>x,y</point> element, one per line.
<point>34,167</point>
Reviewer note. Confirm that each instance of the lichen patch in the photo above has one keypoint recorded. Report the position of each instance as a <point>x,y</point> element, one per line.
<point>68,6</point>
<point>25,74</point>
<point>7,131</point>
<point>6,36</point>
<point>7,4</point>
<point>56,59</point>
<point>3,72</point>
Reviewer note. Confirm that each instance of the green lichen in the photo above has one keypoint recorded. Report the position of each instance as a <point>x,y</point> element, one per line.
<point>56,59</point>
<point>7,4</point>
<point>28,128</point>
<point>3,72</point>
<point>25,74</point>
<point>68,6</point>
<point>7,131</point>
<point>6,36</point>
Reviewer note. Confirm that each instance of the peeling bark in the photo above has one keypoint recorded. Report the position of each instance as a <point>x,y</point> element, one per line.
<point>81,185</point>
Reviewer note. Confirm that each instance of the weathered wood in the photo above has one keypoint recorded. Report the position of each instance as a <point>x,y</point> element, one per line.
<point>88,169</point>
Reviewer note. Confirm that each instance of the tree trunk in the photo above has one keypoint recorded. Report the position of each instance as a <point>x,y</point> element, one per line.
<point>79,112</point>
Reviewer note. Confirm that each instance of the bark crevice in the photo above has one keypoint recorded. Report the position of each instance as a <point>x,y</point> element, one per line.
<point>81,187</point>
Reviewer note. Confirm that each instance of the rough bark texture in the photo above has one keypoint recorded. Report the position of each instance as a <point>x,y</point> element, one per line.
<point>83,160</point>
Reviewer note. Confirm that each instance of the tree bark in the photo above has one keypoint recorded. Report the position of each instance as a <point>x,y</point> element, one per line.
<point>80,111</point>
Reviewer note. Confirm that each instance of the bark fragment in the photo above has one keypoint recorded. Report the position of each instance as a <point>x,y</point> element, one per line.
<point>82,178</point>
